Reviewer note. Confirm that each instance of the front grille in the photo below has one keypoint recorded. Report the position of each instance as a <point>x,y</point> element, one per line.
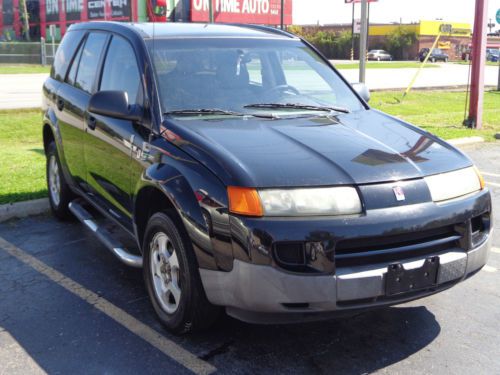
<point>371,250</point>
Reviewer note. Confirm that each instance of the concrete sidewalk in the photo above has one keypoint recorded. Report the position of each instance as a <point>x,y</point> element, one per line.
<point>21,90</point>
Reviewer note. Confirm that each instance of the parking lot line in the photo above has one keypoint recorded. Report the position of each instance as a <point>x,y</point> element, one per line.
<point>492,184</point>
<point>489,269</point>
<point>490,174</point>
<point>154,338</point>
<point>495,250</point>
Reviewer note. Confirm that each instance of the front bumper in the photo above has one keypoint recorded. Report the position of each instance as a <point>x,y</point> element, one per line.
<point>256,293</point>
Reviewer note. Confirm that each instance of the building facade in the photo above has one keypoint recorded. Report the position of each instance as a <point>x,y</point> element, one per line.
<point>62,13</point>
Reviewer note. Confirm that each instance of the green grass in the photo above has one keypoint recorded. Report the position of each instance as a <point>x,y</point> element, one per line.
<point>440,112</point>
<point>22,160</point>
<point>23,69</point>
<point>386,65</point>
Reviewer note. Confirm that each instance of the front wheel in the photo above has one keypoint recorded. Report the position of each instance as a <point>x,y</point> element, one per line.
<point>172,277</point>
<point>60,194</point>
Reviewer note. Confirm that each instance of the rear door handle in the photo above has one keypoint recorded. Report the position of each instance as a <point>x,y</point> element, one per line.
<point>91,122</point>
<point>60,104</point>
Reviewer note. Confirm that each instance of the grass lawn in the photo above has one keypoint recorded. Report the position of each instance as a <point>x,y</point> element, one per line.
<point>440,112</point>
<point>23,69</point>
<point>22,160</point>
<point>386,65</point>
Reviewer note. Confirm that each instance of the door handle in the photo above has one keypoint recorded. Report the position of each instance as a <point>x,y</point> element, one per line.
<point>91,122</point>
<point>60,104</point>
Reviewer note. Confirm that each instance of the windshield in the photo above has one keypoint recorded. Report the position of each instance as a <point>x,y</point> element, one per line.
<point>233,74</point>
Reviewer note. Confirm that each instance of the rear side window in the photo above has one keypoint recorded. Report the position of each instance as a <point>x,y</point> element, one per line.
<point>121,71</point>
<point>89,61</point>
<point>71,78</point>
<point>64,54</point>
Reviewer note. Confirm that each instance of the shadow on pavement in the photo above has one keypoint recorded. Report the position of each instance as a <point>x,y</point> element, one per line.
<point>63,333</point>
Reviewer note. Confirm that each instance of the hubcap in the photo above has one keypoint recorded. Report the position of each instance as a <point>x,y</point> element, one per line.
<point>54,181</point>
<point>165,272</point>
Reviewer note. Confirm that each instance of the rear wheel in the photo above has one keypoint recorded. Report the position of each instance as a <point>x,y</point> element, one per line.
<point>172,277</point>
<point>60,194</point>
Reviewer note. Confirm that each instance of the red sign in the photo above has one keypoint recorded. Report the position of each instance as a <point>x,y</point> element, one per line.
<point>265,12</point>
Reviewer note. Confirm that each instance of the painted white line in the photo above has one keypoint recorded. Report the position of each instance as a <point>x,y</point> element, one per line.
<point>152,337</point>
<point>492,184</point>
<point>490,174</point>
<point>495,250</point>
<point>489,269</point>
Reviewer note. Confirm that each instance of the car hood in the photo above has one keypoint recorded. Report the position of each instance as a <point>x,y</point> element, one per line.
<point>363,147</point>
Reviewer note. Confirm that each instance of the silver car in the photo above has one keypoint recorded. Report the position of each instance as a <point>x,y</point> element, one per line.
<point>379,55</point>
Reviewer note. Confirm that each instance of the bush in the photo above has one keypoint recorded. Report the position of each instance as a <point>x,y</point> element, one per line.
<point>398,40</point>
<point>334,45</point>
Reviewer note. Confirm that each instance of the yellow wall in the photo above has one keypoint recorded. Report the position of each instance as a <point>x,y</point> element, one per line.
<point>423,28</point>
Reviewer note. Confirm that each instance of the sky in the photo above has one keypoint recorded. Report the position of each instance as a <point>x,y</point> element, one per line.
<point>385,11</point>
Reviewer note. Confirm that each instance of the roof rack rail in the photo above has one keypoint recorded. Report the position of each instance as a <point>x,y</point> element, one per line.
<point>265,28</point>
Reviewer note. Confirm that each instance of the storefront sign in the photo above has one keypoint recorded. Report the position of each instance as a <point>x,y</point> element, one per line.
<point>243,11</point>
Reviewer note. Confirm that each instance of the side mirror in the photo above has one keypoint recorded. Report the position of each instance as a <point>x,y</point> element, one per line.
<point>114,104</point>
<point>362,90</point>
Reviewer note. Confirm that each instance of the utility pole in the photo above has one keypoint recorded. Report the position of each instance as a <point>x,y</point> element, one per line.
<point>282,18</point>
<point>478,56</point>
<point>362,41</point>
<point>210,11</point>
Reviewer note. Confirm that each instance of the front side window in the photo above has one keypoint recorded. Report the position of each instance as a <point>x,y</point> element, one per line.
<point>89,61</point>
<point>235,74</point>
<point>121,71</point>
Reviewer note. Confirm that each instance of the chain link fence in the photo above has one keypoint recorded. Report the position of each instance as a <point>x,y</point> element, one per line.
<point>27,52</point>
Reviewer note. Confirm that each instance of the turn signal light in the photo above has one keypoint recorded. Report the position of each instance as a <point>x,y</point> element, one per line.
<point>480,176</point>
<point>244,201</point>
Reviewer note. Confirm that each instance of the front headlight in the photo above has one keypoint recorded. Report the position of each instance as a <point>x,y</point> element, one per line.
<point>310,201</point>
<point>454,184</point>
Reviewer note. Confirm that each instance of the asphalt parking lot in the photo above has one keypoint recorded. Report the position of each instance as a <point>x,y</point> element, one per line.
<point>68,306</point>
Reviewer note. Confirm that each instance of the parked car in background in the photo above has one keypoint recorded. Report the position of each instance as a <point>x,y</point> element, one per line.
<point>252,176</point>
<point>437,54</point>
<point>379,55</point>
<point>492,55</point>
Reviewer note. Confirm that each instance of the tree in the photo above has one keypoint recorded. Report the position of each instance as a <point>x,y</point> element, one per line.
<point>399,39</point>
<point>23,11</point>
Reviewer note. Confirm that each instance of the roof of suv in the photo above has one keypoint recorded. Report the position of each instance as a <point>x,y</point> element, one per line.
<point>150,30</point>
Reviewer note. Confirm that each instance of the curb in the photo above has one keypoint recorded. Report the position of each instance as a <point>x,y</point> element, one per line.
<point>465,141</point>
<point>22,209</point>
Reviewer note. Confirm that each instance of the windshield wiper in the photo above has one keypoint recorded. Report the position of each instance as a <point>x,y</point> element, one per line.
<point>213,111</point>
<point>202,111</point>
<point>298,106</point>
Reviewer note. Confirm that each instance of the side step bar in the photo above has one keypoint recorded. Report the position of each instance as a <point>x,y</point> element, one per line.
<point>104,236</point>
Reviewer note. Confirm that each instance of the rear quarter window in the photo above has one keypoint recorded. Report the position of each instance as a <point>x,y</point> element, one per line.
<point>65,53</point>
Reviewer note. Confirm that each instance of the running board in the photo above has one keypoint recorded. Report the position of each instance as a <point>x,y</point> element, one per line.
<point>104,236</point>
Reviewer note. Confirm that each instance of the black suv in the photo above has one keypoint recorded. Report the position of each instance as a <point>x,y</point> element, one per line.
<point>252,176</point>
<point>436,55</point>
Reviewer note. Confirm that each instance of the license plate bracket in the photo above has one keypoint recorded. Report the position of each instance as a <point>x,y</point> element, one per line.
<point>399,280</point>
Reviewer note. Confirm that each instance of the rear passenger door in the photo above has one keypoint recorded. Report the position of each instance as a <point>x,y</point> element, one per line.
<point>108,141</point>
<point>72,101</point>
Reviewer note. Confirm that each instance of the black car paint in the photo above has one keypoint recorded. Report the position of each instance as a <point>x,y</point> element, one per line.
<point>191,162</point>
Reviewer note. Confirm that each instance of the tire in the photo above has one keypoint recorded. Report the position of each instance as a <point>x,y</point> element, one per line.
<point>60,194</point>
<point>172,277</point>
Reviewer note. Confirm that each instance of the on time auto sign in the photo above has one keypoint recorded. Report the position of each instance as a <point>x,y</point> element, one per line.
<point>266,12</point>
